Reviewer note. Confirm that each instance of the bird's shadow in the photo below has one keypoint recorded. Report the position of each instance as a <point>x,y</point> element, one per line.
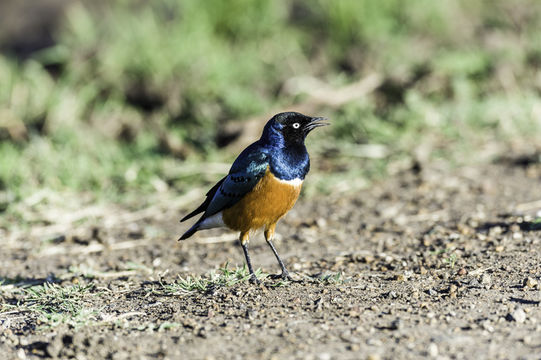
<point>534,225</point>
<point>22,282</point>
<point>524,301</point>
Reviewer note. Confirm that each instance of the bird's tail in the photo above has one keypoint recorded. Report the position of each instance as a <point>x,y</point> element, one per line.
<point>190,232</point>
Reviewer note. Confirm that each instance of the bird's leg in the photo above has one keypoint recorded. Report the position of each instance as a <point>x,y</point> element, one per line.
<point>244,238</point>
<point>269,236</point>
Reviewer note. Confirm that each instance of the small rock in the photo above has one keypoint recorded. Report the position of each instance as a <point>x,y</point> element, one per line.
<point>529,283</point>
<point>324,356</point>
<point>321,222</point>
<point>487,326</point>
<point>486,279</point>
<point>373,357</point>
<point>368,259</point>
<point>499,248</point>
<point>21,354</point>
<point>433,350</point>
<point>496,230</point>
<point>374,342</point>
<point>462,272</point>
<point>120,355</point>
<point>453,290</point>
<point>518,315</point>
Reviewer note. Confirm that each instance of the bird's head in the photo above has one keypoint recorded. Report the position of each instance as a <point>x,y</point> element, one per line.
<point>291,127</point>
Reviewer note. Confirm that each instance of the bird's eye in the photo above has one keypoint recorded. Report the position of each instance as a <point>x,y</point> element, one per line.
<point>296,125</point>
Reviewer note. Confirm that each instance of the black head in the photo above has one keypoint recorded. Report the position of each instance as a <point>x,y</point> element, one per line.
<point>293,126</point>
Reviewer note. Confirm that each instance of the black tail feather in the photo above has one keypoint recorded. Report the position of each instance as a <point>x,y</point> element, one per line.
<point>190,232</point>
<point>205,204</point>
<point>200,209</point>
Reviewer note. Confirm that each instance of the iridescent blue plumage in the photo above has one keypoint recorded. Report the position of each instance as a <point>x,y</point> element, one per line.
<point>280,154</point>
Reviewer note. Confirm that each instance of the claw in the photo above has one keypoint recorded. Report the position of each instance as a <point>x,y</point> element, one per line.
<point>284,276</point>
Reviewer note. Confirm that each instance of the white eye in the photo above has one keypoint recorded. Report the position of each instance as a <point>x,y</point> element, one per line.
<point>296,125</point>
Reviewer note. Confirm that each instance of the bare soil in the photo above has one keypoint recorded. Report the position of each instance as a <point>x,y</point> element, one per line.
<point>433,262</point>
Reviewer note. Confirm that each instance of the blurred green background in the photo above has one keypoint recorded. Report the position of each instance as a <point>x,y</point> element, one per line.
<point>115,100</point>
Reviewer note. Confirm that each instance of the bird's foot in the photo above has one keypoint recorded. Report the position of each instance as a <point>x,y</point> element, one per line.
<point>284,276</point>
<point>254,279</point>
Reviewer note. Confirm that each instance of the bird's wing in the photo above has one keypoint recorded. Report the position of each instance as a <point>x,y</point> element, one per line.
<point>246,171</point>
<point>244,175</point>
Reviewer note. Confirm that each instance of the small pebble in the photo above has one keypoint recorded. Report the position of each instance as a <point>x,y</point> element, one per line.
<point>452,290</point>
<point>21,354</point>
<point>486,279</point>
<point>321,223</point>
<point>373,357</point>
<point>487,326</point>
<point>518,315</point>
<point>529,283</point>
<point>324,356</point>
<point>433,350</point>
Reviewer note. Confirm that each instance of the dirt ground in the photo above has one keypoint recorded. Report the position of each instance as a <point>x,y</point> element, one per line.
<point>434,261</point>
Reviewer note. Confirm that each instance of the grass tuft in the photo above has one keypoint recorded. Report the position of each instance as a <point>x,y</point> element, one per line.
<point>223,277</point>
<point>55,304</point>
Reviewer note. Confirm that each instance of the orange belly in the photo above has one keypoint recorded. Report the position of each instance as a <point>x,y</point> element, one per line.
<point>268,201</point>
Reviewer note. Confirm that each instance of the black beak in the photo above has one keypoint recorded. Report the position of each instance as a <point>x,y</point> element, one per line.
<point>314,123</point>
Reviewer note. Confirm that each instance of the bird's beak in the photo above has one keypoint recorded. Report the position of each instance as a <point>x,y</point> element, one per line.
<point>314,123</point>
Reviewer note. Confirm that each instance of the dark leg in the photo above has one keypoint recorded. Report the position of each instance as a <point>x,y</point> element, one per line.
<point>269,235</point>
<point>244,237</point>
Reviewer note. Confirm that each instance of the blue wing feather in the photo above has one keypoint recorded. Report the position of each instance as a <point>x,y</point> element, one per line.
<point>245,173</point>
<point>249,167</point>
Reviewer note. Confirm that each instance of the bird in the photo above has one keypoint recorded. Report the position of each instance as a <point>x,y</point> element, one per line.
<point>262,185</point>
